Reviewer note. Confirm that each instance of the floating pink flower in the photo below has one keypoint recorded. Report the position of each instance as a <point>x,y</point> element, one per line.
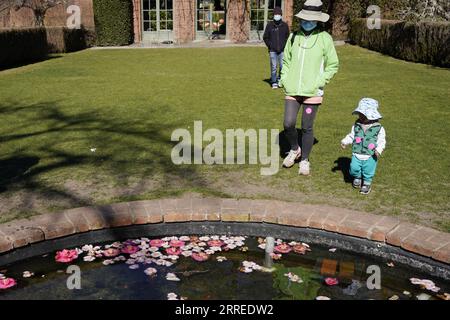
<point>173,251</point>
<point>129,249</point>
<point>358,139</point>
<point>7,283</point>
<point>215,243</point>
<point>111,252</point>
<point>200,256</point>
<point>371,146</point>
<point>283,248</point>
<point>66,256</point>
<point>331,281</point>
<point>176,243</point>
<point>300,249</point>
<point>157,243</point>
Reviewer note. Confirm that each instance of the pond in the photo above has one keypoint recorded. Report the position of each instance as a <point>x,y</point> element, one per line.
<point>213,267</point>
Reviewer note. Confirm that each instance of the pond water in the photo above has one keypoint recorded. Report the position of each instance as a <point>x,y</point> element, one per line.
<point>237,267</point>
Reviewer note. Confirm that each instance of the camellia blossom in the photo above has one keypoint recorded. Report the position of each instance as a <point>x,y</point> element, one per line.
<point>66,256</point>
<point>157,243</point>
<point>331,281</point>
<point>283,248</point>
<point>200,256</point>
<point>130,249</point>
<point>299,249</point>
<point>176,243</point>
<point>173,251</point>
<point>7,283</point>
<point>215,243</point>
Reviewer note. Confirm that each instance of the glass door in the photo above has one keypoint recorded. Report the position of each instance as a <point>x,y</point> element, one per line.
<point>261,12</point>
<point>157,19</point>
<point>211,19</point>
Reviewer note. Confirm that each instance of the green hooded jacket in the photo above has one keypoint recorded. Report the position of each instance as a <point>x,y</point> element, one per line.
<point>309,63</point>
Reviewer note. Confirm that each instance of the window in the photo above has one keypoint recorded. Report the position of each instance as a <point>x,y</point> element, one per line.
<point>261,11</point>
<point>157,15</point>
<point>211,14</point>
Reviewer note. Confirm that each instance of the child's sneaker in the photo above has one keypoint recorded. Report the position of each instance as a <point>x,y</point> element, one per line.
<point>304,168</point>
<point>365,189</point>
<point>357,183</point>
<point>274,85</point>
<point>293,155</point>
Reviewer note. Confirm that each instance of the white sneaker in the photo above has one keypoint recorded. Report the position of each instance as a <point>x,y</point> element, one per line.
<point>289,161</point>
<point>304,168</point>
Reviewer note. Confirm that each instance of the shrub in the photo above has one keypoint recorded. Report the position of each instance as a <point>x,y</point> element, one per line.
<point>425,42</point>
<point>113,22</point>
<point>22,45</point>
<point>61,39</point>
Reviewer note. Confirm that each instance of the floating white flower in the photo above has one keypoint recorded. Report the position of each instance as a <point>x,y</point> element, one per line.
<point>156,254</point>
<point>204,238</point>
<point>130,261</point>
<point>153,249</point>
<point>89,258</point>
<point>221,258</point>
<point>184,238</point>
<point>209,251</point>
<point>322,298</point>
<point>332,250</point>
<point>150,271</point>
<point>134,266</point>
<point>172,296</point>
<point>26,274</point>
<point>262,246</point>
<point>172,277</point>
<point>107,262</point>
<point>187,253</point>
<point>215,248</point>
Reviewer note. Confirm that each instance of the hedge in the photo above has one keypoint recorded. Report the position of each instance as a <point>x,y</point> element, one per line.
<point>426,42</point>
<point>22,45</point>
<point>113,22</point>
<point>62,39</point>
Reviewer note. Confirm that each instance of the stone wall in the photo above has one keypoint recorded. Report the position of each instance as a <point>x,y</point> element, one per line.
<point>184,20</point>
<point>56,16</point>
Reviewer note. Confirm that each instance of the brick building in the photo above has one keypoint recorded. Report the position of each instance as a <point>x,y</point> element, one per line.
<point>179,21</point>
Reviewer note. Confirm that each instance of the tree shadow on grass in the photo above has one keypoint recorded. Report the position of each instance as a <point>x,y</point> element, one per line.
<point>343,164</point>
<point>54,131</point>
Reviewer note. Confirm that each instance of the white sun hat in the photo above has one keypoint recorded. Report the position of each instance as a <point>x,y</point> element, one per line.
<point>369,108</point>
<point>312,11</point>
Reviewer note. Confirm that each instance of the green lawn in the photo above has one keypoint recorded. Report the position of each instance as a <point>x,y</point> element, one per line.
<point>126,103</point>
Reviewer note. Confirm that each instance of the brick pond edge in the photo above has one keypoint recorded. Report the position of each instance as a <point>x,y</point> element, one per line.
<point>417,239</point>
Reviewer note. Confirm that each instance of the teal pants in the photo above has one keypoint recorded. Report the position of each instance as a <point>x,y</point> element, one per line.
<point>364,169</point>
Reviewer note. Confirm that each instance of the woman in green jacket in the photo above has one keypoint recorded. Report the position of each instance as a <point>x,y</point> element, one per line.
<point>309,63</point>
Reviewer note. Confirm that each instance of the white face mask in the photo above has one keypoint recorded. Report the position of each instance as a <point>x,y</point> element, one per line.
<point>277,17</point>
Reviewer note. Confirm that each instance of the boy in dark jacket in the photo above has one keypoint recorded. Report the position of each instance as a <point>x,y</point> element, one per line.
<point>275,37</point>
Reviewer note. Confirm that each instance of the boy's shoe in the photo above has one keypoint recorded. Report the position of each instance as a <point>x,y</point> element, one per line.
<point>365,189</point>
<point>304,168</point>
<point>293,155</point>
<point>357,183</point>
<point>274,85</point>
